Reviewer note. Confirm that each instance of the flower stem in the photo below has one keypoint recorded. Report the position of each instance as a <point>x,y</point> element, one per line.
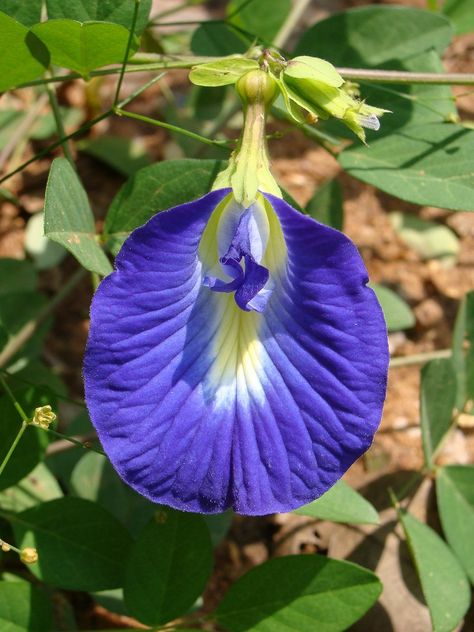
<point>172,128</point>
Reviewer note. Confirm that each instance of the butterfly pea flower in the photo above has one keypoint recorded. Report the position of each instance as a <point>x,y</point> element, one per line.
<point>236,357</point>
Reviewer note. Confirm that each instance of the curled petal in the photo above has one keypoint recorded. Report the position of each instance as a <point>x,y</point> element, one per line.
<point>202,405</point>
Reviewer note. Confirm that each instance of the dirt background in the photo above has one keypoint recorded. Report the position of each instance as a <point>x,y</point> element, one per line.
<point>431,289</point>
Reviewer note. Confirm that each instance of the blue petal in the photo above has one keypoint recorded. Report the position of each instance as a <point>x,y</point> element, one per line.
<point>203,406</point>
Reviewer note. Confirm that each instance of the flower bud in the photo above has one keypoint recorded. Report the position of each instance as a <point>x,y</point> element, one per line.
<point>257,86</point>
<point>315,87</point>
<point>43,417</point>
<point>29,555</point>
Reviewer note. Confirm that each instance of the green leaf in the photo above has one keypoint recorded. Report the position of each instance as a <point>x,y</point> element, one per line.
<point>116,11</point>
<point>429,239</point>
<point>83,46</point>
<point>68,218</point>
<point>461,14</point>
<point>24,608</point>
<point>95,479</point>
<point>156,188</point>
<point>425,164</point>
<point>24,57</point>
<point>437,399</point>
<point>168,567</point>
<point>28,12</point>
<point>38,487</point>
<point>31,447</point>
<point>341,503</point>
<point>463,351</point>
<point>375,35</point>
<point>256,18</point>
<point>442,579</point>
<point>17,275</point>
<point>299,592</point>
<point>215,39</point>
<point>222,72</point>
<point>81,546</point>
<point>455,495</point>
<point>326,204</point>
<point>396,311</point>
<point>125,155</point>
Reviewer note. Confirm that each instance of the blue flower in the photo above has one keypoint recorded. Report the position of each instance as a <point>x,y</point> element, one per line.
<point>236,357</point>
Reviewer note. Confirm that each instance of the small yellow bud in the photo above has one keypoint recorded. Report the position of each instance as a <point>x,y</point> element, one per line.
<point>5,547</point>
<point>43,417</point>
<point>29,555</point>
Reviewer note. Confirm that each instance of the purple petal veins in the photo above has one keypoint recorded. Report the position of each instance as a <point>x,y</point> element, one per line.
<point>236,358</point>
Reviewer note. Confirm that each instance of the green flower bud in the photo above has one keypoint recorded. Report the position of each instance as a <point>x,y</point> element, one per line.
<point>257,86</point>
<point>316,87</point>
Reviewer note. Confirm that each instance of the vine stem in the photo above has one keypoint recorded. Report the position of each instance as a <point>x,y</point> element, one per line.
<point>144,63</point>
<point>420,358</point>
<point>405,77</point>
<point>127,51</point>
